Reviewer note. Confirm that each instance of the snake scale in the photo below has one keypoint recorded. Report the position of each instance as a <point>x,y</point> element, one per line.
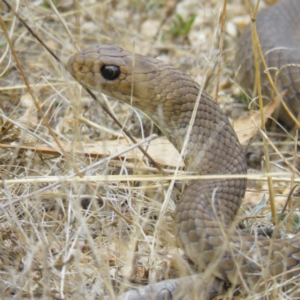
<point>278,29</point>
<point>206,208</point>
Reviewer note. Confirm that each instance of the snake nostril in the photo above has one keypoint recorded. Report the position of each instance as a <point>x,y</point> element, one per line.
<point>110,72</point>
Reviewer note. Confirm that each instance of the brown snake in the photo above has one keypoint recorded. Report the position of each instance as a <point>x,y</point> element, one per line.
<point>206,209</point>
<point>278,29</point>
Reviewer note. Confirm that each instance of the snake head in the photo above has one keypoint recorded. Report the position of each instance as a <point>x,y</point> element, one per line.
<point>117,73</point>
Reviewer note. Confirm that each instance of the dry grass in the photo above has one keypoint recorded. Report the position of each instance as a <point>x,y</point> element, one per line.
<point>51,247</point>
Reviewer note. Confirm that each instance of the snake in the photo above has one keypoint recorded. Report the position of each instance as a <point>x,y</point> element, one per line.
<point>278,30</point>
<point>195,124</point>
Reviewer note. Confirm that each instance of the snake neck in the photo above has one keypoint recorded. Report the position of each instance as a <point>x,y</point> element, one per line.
<point>212,146</point>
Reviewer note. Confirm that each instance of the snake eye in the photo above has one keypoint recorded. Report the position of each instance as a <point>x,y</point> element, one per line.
<point>110,72</point>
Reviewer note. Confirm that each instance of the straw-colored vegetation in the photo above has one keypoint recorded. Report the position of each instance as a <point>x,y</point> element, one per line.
<point>66,237</point>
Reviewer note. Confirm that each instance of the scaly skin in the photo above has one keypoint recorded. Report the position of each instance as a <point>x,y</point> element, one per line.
<point>206,209</point>
<point>278,29</point>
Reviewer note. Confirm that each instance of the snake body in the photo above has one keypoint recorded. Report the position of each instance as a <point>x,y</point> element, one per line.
<point>204,214</point>
<point>278,29</point>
